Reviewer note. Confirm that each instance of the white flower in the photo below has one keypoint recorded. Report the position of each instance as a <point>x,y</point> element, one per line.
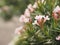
<point>27,13</point>
<point>40,18</point>
<point>35,22</point>
<point>56,9</point>
<point>19,30</point>
<point>35,5</point>
<point>23,19</point>
<point>30,7</point>
<point>46,18</point>
<point>58,38</point>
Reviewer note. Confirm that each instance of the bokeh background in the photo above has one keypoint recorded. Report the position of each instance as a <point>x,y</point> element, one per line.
<point>10,11</point>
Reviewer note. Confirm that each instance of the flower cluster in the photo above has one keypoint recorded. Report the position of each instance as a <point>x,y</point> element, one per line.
<point>40,19</point>
<point>40,26</point>
<point>25,18</point>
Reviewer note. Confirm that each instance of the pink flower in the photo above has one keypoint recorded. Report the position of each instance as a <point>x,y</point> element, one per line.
<point>57,9</point>
<point>19,30</point>
<point>35,22</point>
<point>30,7</point>
<point>46,18</point>
<point>27,13</point>
<point>56,13</point>
<point>58,38</point>
<point>35,5</point>
<point>40,19</point>
<point>23,19</point>
<point>55,16</point>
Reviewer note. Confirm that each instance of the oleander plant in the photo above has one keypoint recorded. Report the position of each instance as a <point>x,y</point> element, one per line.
<point>40,24</point>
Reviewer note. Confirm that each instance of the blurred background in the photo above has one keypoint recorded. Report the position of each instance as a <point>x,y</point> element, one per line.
<point>10,11</point>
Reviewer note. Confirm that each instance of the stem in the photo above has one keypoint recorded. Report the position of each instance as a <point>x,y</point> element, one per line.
<point>55,23</point>
<point>42,28</point>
